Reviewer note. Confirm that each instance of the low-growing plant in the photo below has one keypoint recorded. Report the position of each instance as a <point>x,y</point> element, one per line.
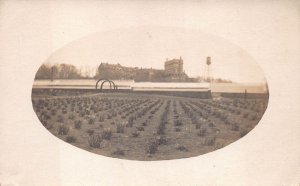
<point>135,134</point>
<point>177,129</point>
<point>60,119</point>
<point>64,111</point>
<point>62,129</point>
<point>114,114</point>
<point>118,152</point>
<point>151,148</point>
<point>95,141</point>
<point>90,132</point>
<point>245,115</point>
<point>211,124</point>
<point>120,128</point>
<point>226,122</point>
<point>161,140</point>
<point>71,116</point>
<point>235,127</point>
<point>101,118</point>
<point>181,148</point>
<point>49,126</point>
<point>70,139</point>
<point>140,128</point>
<point>53,112</point>
<point>177,123</point>
<point>210,141</point>
<point>243,133</point>
<point>130,122</point>
<point>160,130</point>
<point>106,134</point>
<point>202,132</point>
<point>91,121</point>
<point>254,117</point>
<point>78,124</point>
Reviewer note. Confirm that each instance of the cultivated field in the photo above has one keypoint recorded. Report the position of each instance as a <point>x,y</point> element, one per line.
<point>147,127</point>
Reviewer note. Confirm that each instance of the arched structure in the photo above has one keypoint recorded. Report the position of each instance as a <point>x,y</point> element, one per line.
<point>112,85</point>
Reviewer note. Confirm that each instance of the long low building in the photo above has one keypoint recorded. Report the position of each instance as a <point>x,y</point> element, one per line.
<point>152,86</point>
<point>190,87</point>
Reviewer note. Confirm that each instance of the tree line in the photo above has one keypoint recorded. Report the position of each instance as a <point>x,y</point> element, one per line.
<point>110,71</point>
<point>60,71</point>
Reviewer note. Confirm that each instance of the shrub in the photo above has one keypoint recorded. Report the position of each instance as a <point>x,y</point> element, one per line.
<point>60,119</point>
<point>209,141</point>
<point>161,140</point>
<point>177,129</point>
<point>151,147</point>
<point>177,123</point>
<point>243,133</point>
<point>90,132</point>
<point>95,140</point>
<point>120,128</point>
<point>101,118</point>
<point>135,134</point>
<point>62,130</point>
<point>77,124</point>
<point>140,128</point>
<point>64,111</point>
<point>235,127</point>
<point>49,126</point>
<point>118,152</point>
<point>71,116</point>
<point>53,112</point>
<point>226,122</point>
<point>114,114</point>
<point>130,122</point>
<point>254,117</point>
<point>106,134</point>
<point>91,121</point>
<point>181,148</point>
<point>245,115</point>
<point>160,130</point>
<point>70,139</point>
<point>202,132</point>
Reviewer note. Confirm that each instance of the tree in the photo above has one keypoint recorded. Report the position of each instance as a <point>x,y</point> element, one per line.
<point>44,72</point>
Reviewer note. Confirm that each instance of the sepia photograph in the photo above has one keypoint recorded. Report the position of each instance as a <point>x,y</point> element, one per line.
<point>148,97</point>
<point>149,93</point>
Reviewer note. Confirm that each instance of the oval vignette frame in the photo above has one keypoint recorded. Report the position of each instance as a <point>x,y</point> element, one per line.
<point>141,105</point>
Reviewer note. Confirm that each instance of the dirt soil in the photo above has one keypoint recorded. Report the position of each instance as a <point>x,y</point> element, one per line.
<point>147,127</point>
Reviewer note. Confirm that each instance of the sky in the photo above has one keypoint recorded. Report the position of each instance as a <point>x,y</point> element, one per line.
<point>148,47</point>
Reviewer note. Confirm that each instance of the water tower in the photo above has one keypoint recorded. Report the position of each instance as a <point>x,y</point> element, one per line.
<point>207,75</point>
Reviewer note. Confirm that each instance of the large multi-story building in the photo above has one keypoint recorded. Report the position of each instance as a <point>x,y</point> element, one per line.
<point>174,66</point>
<point>174,70</point>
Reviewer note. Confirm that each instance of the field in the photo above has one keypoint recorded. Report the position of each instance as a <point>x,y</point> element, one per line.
<point>147,127</point>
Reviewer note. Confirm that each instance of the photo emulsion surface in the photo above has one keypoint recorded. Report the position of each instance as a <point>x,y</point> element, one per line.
<point>150,93</point>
